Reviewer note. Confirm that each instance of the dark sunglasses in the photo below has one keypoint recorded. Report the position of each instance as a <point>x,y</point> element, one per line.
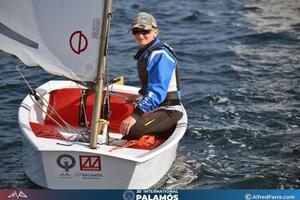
<point>140,31</point>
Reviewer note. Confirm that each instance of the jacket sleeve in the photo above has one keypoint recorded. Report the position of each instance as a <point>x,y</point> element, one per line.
<point>160,67</point>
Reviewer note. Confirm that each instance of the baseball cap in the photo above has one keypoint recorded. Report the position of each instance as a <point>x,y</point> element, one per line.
<point>144,21</point>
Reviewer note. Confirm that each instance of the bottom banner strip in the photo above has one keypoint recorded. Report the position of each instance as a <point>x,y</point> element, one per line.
<point>27,194</point>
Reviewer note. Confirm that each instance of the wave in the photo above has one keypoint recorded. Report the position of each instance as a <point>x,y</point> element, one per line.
<point>296,26</point>
<point>181,174</point>
<point>252,9</point>
<point>256,38</point>
<point>194,16</point>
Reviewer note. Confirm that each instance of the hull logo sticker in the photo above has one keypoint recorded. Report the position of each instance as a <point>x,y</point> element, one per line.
<point>90,163</point>
<point>66,162</point>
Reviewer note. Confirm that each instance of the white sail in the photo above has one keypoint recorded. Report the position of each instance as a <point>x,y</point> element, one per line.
<point>61,36</point>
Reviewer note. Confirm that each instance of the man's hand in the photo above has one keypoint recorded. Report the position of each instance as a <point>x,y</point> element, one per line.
<point>134,99</point>
<point>126,125</point>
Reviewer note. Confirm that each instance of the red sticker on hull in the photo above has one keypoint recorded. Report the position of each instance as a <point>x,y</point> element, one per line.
<point>90,163</point>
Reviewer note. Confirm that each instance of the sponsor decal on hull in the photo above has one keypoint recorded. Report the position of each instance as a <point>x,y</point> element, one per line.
<point>83,167</point>
<point>90,163</point>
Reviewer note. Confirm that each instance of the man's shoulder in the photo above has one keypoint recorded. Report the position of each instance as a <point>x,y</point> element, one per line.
<point>163,46</point>
<point>162,53</point>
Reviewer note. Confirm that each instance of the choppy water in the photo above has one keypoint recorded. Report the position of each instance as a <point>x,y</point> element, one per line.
<point>240,69</point>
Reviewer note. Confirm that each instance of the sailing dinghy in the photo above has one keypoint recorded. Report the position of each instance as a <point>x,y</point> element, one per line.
<point>67,144</point>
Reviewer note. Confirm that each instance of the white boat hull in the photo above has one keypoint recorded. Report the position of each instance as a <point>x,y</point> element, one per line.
<point>55,166</point>
<point>116,173</point>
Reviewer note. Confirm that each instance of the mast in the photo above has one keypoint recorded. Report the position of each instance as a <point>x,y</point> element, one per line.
<point>101,73</point>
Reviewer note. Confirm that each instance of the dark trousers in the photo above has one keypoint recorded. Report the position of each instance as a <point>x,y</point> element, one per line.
<point>160,123</point>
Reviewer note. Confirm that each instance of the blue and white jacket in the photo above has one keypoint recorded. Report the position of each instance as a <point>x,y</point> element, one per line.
<point>158,73</point>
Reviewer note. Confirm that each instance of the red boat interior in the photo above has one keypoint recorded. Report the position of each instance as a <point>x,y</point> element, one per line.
<point>66,103</point>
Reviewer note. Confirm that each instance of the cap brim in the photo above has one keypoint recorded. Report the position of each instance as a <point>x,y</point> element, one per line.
<point>141,26</point>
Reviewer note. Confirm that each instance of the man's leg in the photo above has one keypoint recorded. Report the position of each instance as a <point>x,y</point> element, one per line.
<point>160,123</point>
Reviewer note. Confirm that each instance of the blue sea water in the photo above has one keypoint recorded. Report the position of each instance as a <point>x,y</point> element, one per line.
<point>240,72</point>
